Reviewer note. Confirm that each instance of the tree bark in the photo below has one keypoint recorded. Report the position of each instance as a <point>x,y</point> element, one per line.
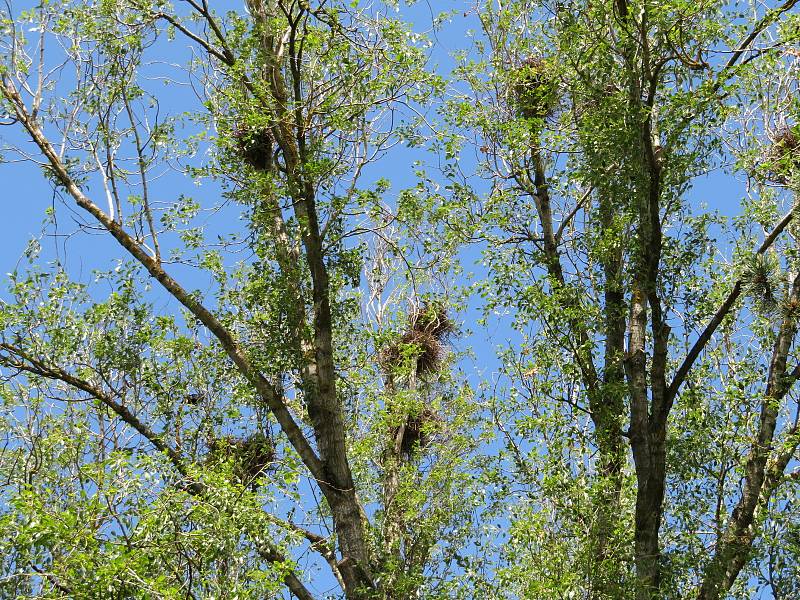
<point>330,468</point>
<point>648,420</point>
<point>319,382</point>
<point>606,394</point>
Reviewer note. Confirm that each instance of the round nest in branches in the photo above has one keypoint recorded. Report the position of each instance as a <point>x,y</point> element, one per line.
<point>534,89</point>
<point>422,343</point>
<point>783,156</point>
<point>417,432</point>
<point>786,141</point>
<point>251,456</point>
<point>255,145</point>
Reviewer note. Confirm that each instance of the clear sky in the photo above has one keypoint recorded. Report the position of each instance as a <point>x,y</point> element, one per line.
<point>28,195</point>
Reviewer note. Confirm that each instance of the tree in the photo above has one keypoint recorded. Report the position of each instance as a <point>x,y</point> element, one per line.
<point>258,397</point>
<point>593,120</point>
<point>143,485</point>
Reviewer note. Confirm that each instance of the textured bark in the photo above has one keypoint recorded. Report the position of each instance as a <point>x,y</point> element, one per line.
<point>606,393</point>
<point>648,388</point>
<point>607,407</point>
<point>319,373</point>
<point>651,479</point>
<point>644,447</point>
<point>330,468</point>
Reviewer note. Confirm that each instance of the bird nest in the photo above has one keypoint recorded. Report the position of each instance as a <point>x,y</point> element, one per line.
<point>255,145</point>
<point>251,457</point>
<point>783,156</point>
<point>417,432</point>
<point>534,88</point>
<point>422,346</point>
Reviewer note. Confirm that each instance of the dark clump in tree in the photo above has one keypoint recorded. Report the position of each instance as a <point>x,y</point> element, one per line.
<point>783,156</point>
<point>417,431</point>
<point>194,398</point>
<point>534,89</point>
<point>422,343</point>
<point>255,146</point>
<point>420,350</point>
<point>251,456</point>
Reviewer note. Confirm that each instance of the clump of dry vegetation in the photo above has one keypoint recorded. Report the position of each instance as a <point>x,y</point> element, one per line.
<point>255,145</point>
<point>251,456</point>
<point>783,155</point>
<point>418,353</point>
<point>416,432</point>
<point>423,343</point>
<point>534,88</point>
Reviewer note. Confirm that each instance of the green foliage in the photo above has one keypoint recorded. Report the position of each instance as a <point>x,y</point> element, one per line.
<point>270,386</point>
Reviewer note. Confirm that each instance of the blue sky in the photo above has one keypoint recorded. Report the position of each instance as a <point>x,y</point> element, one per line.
<point>28,195</point>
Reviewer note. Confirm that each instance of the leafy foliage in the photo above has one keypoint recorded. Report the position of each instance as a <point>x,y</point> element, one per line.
<point>527,362</point>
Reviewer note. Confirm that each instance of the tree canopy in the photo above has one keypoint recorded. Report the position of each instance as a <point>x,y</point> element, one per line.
<point>356,300</point>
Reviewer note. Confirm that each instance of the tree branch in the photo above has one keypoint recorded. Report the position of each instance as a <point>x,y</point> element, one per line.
<point>193,36</point>
<point>719,316</point>
<point>265,390</point>
<point>29,364</point>
<point>761,476</point>
<point>268,552</point>
<point>759,27</point>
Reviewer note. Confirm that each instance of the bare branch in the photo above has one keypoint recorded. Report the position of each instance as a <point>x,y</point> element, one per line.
<point>264,388</point>
<point>142,175</point>
<point>269,552</point>
<point>767,20</point>
<point>193,36</point>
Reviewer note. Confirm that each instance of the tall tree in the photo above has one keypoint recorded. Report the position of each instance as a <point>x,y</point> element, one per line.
<point>257,398</point>
<point>592,121</point>
<point>240,424</point>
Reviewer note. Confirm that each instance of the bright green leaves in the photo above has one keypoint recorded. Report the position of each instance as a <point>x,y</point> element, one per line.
<point>130,534</point>
<point>94,507</point>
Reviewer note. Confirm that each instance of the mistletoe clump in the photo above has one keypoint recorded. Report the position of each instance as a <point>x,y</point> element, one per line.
<point>760,279</point>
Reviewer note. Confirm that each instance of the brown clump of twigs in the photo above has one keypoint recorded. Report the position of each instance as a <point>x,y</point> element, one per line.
<point>420,352</point>
<point>251,456</point>
<point>423,342</point>
<point>255,145</point>
<point>416,432</point>
<point>534,88</point>
<point>783,156</point>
